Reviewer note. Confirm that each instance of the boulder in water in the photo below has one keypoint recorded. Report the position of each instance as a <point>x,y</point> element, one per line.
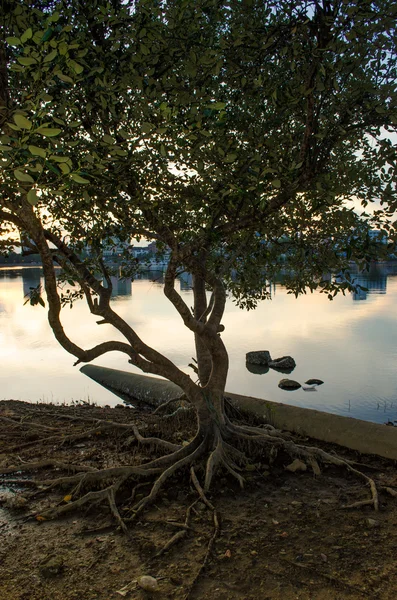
<point>314,382</point>
<point>258,357</point>
<point>289,384</point>
<point>285,363</point>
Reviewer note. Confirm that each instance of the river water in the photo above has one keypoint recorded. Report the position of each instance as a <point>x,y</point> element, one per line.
<point>349,343</point>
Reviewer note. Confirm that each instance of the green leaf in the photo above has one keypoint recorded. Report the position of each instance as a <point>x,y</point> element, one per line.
<point>13,41</point>
<point>36,151</point>
<point>53,168</point>
<point>22,122</point>
<point>276,183</point>
<point>5,148</point>
<point>13,127</point>
<point>49,57</point>
<point>48,131</point>
<point>64,78</point>
<point>65,168</point>
<point>32,197</point>
<point>47,34</point>
<point>21,176</point>
<point>26,61</point>
<point>77,68</point>
<point>147,127</point>
<point>78,179</point>
<point>216,105</point>
<point>54,17</point>
<point>229,158</point>
<point>108,139</point>
<point>46,97</point>
<point>59,159</point>
<point>27,35</point>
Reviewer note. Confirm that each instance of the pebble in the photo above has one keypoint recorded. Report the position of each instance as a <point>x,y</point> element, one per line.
<point>52,567</point>
<point>148,583</point>
<point>372,523</point>
<point>296,465</point>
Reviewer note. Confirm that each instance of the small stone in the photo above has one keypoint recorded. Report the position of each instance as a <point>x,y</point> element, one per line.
<point>296,503</point>
<point>289,384</point>
<point>51,567</point>
<point>372,523</point>
<point>314,382</point>
<point>148,583</point>
<point>296,465</point>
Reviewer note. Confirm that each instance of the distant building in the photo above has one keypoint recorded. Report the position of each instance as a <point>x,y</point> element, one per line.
<point>139,251</point>
<point>115,247</point>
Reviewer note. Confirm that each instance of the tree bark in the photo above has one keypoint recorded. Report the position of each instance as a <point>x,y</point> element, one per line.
<point>204,360</point>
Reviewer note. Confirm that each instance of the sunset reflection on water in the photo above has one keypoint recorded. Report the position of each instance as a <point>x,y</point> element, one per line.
<point>350,344</point>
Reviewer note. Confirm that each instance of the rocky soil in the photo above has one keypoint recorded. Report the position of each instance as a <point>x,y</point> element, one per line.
<point>285,536</point>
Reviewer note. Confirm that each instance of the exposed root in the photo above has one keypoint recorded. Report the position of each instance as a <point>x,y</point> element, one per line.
<point>200,489</point>
<point>179,535</point>
<point>113,508</point>
<point>165,405</point>
<point>26,425</point>
<point>228,448</point>
<point>214,459</point>
<point>45,464</point>
<point>155,441</point>
<point>308,453</point>
<point>160,481</point>
<point>214,536</point>
<point>100,427</point>
<point>90,497</point>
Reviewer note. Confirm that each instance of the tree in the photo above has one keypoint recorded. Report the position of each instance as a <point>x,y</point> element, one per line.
<point>231,133</point>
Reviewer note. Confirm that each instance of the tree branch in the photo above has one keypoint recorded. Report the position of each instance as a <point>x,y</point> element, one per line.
<point>177,301</point>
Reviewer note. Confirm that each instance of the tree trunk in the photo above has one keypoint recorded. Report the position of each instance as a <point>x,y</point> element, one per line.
<point>204,361</point>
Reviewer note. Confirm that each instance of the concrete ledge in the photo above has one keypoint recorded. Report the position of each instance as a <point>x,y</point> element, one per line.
<point>363,436</point>
<point>132,387</point>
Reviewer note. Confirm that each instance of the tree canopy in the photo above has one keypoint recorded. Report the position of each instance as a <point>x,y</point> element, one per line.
<point>203,120</point>
<point>233,133</point>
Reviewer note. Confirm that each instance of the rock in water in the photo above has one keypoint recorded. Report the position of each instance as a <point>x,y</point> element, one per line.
<point>289,384</point>
<point>285,363</point>
<point>258,357</point>
<point>314,382</point>
<point>256,369</point>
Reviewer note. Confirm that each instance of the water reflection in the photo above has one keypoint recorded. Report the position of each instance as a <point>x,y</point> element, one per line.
<point>373,282</point>
<point>350,345</point>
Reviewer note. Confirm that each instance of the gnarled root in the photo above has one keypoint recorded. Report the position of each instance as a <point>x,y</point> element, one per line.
<point>273,439</point>
<point>225,446</point>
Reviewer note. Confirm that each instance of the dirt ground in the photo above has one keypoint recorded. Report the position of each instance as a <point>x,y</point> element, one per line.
<point>285,536</point>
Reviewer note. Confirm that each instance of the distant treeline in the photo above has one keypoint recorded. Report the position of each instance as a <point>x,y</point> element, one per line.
<point>14,258</point>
